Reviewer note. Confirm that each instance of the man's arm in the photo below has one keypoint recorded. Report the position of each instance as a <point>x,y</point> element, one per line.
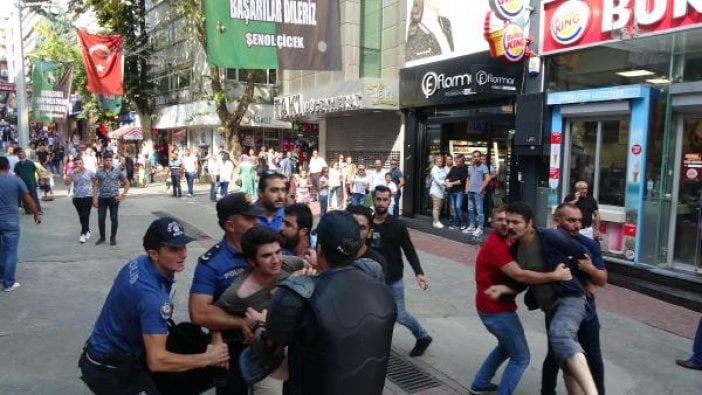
<point>161,360</point>
<point>95,192</point>
<point>486,180</point>
<point>203,312</point>
<point>126,189</point>
<point>412,257</point>
<point>596,223</point>
<point>597,276</point>
<point>512,269</point>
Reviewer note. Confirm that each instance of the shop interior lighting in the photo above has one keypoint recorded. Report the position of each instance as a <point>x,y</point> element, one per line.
<point>658,81</point>
<point>635,73</point>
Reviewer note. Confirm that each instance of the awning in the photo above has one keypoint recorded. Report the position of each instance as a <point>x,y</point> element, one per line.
<point>128,132</point>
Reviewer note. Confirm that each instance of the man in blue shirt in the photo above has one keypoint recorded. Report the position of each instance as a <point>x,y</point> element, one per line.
<point>216,270</point>
<point>11,190</point>
<point>131,331</point>
<point>271,199</point>
<point>478,179</point>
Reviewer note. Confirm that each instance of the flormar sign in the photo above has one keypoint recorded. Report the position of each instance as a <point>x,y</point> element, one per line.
<point>573,24</point>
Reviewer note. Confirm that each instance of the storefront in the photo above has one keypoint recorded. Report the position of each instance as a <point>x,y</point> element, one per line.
<point>624,95</point>
<point>357,119</point>
<point>458,106</point>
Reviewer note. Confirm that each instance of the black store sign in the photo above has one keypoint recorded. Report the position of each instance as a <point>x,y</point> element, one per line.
<point>458,80</point>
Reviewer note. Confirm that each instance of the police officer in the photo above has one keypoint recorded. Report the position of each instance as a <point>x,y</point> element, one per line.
<point>215,272</point>
<point>327,323</point>
<point>131,330</point>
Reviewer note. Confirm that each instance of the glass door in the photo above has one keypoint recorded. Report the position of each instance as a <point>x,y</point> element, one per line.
<point>687,224</point>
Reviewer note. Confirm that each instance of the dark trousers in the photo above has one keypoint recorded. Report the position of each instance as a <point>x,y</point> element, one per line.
<point>175,185</point>
<point>32,189</point>
<point>104,378</point>
<point>83,206</point>
<point>230,382</point>
<point>396,206</point>
<point>103,205</point>
<point>589,338</point>
<point>190,179</point>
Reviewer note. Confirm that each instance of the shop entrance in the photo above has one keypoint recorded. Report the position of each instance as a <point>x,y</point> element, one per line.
<point>489,134</point>
<point>686,224</point>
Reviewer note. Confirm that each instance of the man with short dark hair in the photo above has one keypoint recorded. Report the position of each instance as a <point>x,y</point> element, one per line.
<point>456,187</point>
<point>106,195</point>
<point>399,179</point>
<point>391,238</point>
<point>589,207</point>
<point>327,322</point>
<point>131,331</point>
<point>378,266</point>
<point>12,189</point>
<point>296,229</point>
<point>28,171</point>
<point>271,199</point>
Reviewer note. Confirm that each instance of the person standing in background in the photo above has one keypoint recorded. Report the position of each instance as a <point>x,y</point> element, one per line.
<point>456,186</point>
<point>437,189</point>
<point>213,164</point>
<point>399,179</point>
<point>191,171</point>
<point>316,165</point>
<point>324,191</point>
<point>175,167</point>
<point>589,207</point>
<point>226,172</point>
<point>478,179</point>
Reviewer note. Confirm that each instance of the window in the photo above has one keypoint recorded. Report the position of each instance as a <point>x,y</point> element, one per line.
<point>371,37</point>
<point>263,76</point>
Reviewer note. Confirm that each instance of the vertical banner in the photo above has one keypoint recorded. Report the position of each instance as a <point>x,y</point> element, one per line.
<point>102,56</point>
<point>110,103</point>
<point>294,35</point>
<point>51,90</point>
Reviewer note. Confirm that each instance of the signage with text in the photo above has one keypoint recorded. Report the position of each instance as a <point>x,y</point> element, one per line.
<point>572,24</point>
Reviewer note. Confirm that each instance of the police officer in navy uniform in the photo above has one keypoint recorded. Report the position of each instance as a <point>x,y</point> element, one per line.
<point>215,272</point>
<point>339,337</point>
<point>131,330</point>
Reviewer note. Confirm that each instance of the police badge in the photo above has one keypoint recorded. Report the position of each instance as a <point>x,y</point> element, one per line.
<point>167,310</point>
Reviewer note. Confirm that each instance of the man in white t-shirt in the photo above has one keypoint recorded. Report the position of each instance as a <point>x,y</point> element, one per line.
<point>377,177</point>
<point>316,166</point>
<point>190,168</point>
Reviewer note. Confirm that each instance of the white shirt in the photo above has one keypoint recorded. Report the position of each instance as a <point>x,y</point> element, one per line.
<point>13,159</point>
<point>226,171</point>
<point>438,176</point>
<point>377,178</point>
<point>189,163</point>
<point>317,164</point>
<point>213,166</point>
<point>359,184</point>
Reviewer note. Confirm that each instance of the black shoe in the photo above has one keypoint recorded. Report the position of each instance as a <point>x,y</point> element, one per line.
<point>686,363</point>
<point>100,241</point>
<point>421,346</point>
<point>492,387</point>
<point>113,241</point>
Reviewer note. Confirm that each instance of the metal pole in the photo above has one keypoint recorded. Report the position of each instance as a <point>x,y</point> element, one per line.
<point>21,90</point>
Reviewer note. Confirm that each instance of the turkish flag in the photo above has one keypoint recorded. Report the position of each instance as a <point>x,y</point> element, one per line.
<point>102,56</point>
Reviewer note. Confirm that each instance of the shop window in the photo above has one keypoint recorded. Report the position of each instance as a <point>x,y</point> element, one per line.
<point>260,76</point>
<point>183,79</point>
<point>371,36</point>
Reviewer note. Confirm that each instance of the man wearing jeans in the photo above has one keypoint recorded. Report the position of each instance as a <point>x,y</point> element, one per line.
<point>478,179</point>
<point>389,236</point>
<point>11,190</point>
<point>494,267</point>
<point>106,195</point>
<point>190,167</point>
<point>456,186</point>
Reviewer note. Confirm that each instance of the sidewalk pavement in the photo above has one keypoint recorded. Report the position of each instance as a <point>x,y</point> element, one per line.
<point>64,283</point>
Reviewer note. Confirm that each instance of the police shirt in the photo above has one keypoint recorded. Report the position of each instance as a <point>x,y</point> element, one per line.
<point>276,223</point>
<point>217,269</point>
<point>138,304</point>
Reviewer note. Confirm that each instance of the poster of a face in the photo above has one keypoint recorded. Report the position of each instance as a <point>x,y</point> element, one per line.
<point>442,29</point>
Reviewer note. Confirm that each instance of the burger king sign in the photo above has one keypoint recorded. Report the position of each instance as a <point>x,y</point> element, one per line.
<point>504,29</point>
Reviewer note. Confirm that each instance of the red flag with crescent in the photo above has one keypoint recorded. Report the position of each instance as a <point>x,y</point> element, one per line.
<point>102,56</point>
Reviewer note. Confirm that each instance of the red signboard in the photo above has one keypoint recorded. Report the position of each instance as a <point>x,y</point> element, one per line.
<point>572,24</point>
<point>7,87</point>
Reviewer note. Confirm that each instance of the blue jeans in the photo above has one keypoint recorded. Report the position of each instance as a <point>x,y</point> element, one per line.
<point>224,188</point>
<point>456,199</point>
<point>511,344</point>
<point>475,205</point>
<point>396,206</point>
<point>335,195</point>
<point>190,179</point>
<point>213,187</point>
<point>589,338</point>
<point>323,203</point>
<point>563,322</point>
<point>9,243</point>
<point>357,198</point>
<point>403,317</point>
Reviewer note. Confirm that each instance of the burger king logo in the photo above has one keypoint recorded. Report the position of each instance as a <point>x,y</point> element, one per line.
<point>569,22</point>
<point>508,9</point>
<point>514,42</point>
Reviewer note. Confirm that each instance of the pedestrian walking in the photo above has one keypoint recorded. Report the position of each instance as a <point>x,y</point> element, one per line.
<point>82,180</point>
<point>303,185</point>
<point>391,238</point>
<point>335,185</point>
<point>399,179</point>
<point>106,196</point>
<point>130,333</point>
<point>358,187</point>
<point>317,163</point>
<point>695,360</point>
<point>190,167</point>
<point>28,172</point>
<point>226,173</point>
<point>12,189</point>
<point>212,166</point>
<point>324,191</point>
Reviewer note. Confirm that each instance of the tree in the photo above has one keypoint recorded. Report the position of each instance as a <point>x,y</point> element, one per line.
<point>230,122</point>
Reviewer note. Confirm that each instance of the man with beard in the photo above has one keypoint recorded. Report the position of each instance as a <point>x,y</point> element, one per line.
<point>368,259</point>
<point>271,199</point>
<point>296,228</point>
<point>391,238</point>
<point>216,270</point>
<point>27,171</point>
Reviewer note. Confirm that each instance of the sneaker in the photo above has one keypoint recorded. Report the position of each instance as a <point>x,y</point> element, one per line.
<point>421,346</point>
<point>190,195</point>
<point>491,388</point>
<point>87,236</point>
<point>452,227</point>
<point>13,287</point>
<point>113,241</point>
<point>478,232</point>
<point>438,225</point>
<point>100,241</point>
<point>469,229</point>
<point>82,239</point>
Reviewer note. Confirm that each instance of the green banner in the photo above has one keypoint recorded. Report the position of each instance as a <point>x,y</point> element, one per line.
<point>110,103</point>
<point>51,90</point>
<point>268,34</point>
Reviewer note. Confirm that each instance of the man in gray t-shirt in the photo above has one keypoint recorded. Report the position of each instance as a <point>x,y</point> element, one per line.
<point>478,179</point>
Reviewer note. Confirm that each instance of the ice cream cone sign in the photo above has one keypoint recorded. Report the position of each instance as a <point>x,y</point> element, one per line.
<point>504,29</point>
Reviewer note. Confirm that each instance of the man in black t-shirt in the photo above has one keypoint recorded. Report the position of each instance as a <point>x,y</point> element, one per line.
<point>364,216</point>
<point>588,206</point>
<point>456,188</point>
